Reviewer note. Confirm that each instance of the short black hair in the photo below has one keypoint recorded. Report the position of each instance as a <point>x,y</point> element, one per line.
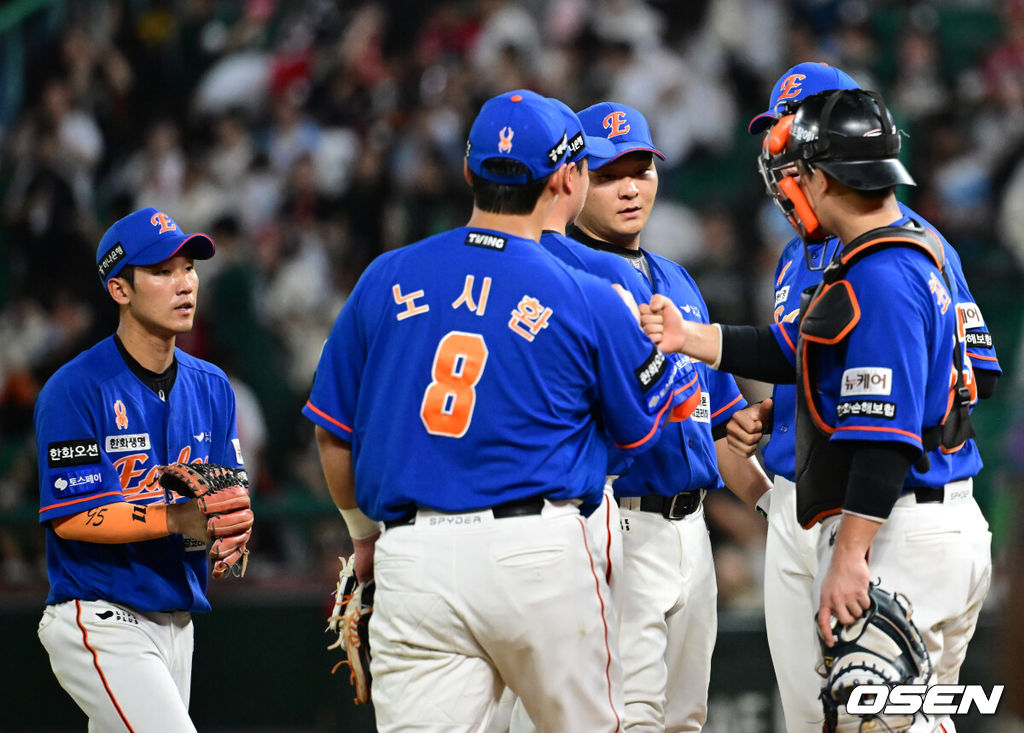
<point>506,198</point>
<point>127,273</point>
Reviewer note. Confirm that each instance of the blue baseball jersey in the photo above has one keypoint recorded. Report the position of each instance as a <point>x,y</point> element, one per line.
<point>471,369</point>
<point>101,433</point>
<point>685,457</point>
<point>792,276</point>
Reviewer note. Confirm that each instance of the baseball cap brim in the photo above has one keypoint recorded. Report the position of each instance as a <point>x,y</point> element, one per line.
<point>198,246</point>
<point>761,122</point>
<point>814,77</point>
<point>623,149</point>
<point>599,147</point>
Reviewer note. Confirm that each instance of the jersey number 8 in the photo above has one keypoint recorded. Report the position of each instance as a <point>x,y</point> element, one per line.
<point>449,399</point>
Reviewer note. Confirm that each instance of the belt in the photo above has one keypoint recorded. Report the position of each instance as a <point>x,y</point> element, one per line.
<point>926,494</point>
<point>954,492</point>
<point>671,507</point>
<point>517,508</point>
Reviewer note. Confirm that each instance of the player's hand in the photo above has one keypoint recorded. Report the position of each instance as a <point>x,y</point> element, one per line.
<point>663,323</point>
<point>844,593</point>
<point>186,518</point>
<point>628,299</point>
<point>746,427</point>
<point>363,553</point>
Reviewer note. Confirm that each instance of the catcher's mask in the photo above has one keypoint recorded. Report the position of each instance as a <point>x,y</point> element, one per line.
<point>849,134</point>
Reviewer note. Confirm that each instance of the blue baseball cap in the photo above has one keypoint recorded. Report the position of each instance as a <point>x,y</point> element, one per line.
<point>799,82</point>
<point>581,144</point>
<point>147,237</point>
<point>519,125</point>
<point>624,127</point>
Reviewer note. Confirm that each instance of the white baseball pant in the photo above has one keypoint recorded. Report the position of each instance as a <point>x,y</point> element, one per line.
<point>791,562</point>
<point>466,603</point>
<point>126,670</point>
<point>939,555</point>
<point>669,620</point>
<point>604,526</point>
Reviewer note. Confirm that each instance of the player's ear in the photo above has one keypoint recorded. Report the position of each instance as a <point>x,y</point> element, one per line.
<point>118,287</point>
<point>571,171</point>
<point>558,182</point>
<point>466,173</point>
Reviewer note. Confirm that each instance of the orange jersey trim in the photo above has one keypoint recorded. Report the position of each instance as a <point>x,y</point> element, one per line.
<point>79,501</point>
<point>720,410</point>
<point>875,429</point>
<point>982,357</point>
<point>691,403</point>
<point>327,417</point>
<point>682,411</point>
<point>96,664</point>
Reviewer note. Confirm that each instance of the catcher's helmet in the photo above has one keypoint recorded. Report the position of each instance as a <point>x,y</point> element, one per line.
<point>850,135</point>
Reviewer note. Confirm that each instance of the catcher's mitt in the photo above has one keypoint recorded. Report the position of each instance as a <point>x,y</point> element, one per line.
<point>882,647</point>
<point>222,494</point>
<point>350,620</point>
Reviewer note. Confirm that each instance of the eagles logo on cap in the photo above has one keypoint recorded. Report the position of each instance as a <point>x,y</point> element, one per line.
<point>529,120</point>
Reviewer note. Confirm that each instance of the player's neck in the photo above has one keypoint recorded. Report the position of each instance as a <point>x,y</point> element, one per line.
<point>527,226</point>
<point>556,221</point>
<point>151,351</point>
<point>852,224</point>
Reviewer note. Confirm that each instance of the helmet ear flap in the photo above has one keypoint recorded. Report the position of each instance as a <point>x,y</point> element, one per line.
<point>778,137</point>
<point>801,206</point>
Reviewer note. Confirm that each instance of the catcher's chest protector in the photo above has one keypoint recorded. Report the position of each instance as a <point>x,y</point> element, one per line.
<point>830,312</point>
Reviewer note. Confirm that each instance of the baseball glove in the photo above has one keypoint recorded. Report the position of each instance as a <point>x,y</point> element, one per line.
<point>222,494</point>
<point>882,647</point>
<point>350,620</point>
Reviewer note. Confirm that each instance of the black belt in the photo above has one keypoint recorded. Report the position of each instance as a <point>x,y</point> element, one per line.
<point>517,508</point>
<point>926,494</point>
<point>672,507</point>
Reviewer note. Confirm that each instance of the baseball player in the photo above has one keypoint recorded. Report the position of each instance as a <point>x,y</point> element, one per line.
<point>604,522</point>
<point>884,383</point>
<point>669,593</point>
<point>462,399</point>
<point>126,568</point>
<point>791,551</point>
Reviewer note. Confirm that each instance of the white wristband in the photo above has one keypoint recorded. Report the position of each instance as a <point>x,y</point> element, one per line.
<point>359,525</point>
<point>718,352</point>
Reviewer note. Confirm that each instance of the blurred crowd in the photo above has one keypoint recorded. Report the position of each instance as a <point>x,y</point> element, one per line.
<point>308,136</point>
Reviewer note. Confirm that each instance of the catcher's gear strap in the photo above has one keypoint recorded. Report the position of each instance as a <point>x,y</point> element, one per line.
<point>114,524</point>
<point>830,313</point>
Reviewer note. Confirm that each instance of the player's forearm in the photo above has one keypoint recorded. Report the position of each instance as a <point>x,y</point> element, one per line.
<point>336,461</point>
<point>117,523</point>
<point>743,476</point>
<point>702,342</point>
<point>854,537</point>
<point>753,352</point>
